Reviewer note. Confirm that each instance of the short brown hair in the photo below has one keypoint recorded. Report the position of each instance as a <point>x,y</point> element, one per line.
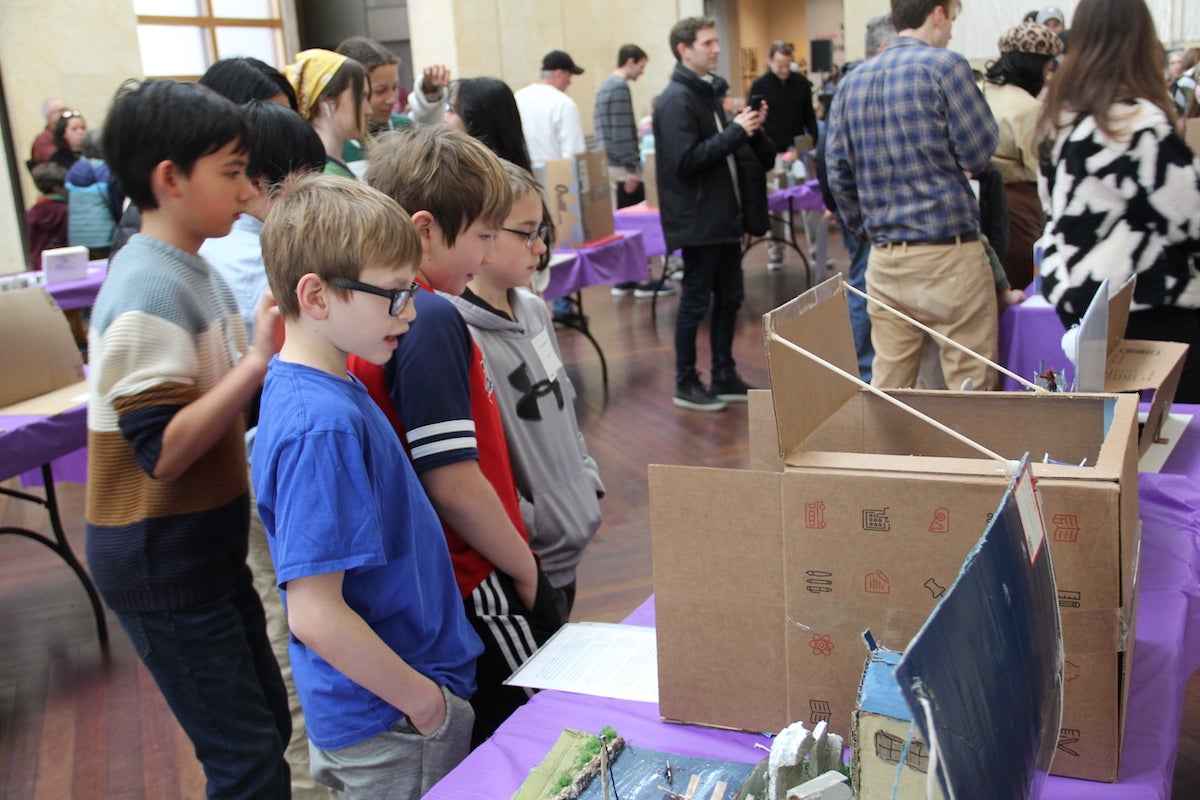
<point>332,227</point>
<point>913,13</point>
<point>779,46</point>
<point>451,175</point>
<point>685,31</point>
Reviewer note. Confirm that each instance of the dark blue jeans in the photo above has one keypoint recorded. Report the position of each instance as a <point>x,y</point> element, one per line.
<point>860,323</point>
<point>712,275</point>
<point>214,665</point>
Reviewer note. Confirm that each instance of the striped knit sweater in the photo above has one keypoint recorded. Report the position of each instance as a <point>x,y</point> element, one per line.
<point>165,328</point>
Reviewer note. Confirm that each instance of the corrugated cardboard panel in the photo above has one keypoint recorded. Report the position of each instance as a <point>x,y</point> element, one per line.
<point>38,354</point>
<point>764,443</point>
<point>718,580</point>
<point>806,393</point>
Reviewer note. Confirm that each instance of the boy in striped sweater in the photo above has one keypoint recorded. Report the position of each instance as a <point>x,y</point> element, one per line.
<point>167,497</point>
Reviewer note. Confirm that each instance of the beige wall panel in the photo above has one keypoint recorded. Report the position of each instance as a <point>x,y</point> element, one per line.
<point>103,52</point>
<point>857,12</point>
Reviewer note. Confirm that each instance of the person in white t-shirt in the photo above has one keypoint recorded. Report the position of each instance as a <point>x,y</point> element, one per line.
<point>551,121</point>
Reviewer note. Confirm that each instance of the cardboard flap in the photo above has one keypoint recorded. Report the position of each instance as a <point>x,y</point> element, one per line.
<point>807,393</point>
<point>718,594</point>
<point>1118,313</point>
<point>37,351</point>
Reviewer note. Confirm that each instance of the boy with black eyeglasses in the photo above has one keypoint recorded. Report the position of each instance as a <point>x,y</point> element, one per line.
<point>442,399</point>
<point>558,481</point>
<point>382,655</point>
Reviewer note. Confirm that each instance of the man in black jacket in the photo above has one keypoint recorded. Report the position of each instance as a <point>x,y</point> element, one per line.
<point>712,189</point>
<point>789,95</point>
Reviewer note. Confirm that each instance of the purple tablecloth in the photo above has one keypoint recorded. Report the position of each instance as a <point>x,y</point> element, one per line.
<point>646,221</point>
<point>1030,333</point>
<point>617,261</point>
<point>27,442</point>
<point>803,197</point>
<point>80,294</point>
<point>1166,654</point>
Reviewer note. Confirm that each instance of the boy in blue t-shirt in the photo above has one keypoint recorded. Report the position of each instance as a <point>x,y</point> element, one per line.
<point>382,655</point>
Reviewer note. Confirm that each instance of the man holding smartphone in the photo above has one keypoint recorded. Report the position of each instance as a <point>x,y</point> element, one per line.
<point>712,189</point>
<point>789,96</point>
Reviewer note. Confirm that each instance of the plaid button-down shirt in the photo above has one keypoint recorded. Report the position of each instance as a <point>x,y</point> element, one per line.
<point>904,128</point>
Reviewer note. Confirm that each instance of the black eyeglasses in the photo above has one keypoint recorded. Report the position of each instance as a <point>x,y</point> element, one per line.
<point>399,297</point>
<point>542,233</point>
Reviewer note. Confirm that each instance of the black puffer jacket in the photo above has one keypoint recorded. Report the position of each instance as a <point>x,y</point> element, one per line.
<point>698,204</point>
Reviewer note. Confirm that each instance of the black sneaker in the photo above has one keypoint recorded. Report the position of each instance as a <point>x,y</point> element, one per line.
<point>732,389</point>
<point>652,287</point>
<point>692,394</point>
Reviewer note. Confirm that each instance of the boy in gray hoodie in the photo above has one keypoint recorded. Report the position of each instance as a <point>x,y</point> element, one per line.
<point>558,481</point>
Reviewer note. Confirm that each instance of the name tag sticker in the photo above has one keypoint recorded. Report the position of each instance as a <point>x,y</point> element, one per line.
<point>547,354</point>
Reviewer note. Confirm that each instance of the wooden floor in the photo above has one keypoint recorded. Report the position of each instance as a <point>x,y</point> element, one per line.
<point>76,722</point>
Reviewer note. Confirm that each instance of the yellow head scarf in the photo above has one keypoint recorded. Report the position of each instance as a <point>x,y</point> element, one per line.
<point>310,75</point>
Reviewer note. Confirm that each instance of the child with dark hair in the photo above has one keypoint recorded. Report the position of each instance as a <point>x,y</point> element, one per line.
<point>244,78</point>
<point>93,200</point>
<point>46,220</point>
<point>167,503</point>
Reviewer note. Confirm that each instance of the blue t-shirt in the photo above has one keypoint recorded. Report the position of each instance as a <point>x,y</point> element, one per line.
<point>337,493</point>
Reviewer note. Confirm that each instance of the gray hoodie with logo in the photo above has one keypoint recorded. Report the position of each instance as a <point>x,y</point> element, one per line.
<point>558,481</point>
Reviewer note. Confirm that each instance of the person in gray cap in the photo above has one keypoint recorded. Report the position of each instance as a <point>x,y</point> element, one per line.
<point>1053,18</point>
<point>551,121</point>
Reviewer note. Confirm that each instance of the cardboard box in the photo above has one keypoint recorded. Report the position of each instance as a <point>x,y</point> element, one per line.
<point>650,180</point>
<point>63,264</point>
<point>1192,134</point>
<point>41,366</point>
<point>1135,365</point>
<point>765,578</point>
<point>579,196</point>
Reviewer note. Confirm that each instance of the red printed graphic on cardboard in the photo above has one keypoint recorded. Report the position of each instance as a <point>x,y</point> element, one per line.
<point>877,582</point>
<point>941,520</point>
<point>814,516</point>
<point>821,644</point>
<point>1071,670</point>
<point>1066,527</point>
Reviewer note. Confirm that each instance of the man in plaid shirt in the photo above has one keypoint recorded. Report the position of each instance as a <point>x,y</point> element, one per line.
<point>905,131</point>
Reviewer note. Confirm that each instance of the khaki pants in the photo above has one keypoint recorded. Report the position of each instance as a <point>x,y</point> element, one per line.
<point>950,289</point>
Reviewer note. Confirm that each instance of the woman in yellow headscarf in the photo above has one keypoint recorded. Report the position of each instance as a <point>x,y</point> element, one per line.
<point>329,92</point>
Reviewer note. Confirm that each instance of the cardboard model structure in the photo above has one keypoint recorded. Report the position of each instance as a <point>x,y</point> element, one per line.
<point>1107,362</point>
<point>859,513</point>
<point>41,365</point>
<point>579,195</point>
<point>990,723</point>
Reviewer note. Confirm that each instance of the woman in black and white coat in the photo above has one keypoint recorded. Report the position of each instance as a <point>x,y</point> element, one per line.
<point>1120,187</point>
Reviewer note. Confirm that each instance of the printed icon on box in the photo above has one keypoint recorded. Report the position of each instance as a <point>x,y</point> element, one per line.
<point>876,519</point>
<point>1069,599</point>
<point>1071,670</point>
<point>819,581</point>
<point>941,521</point>
<point>821,644</point>
<point>814,516</point>
<point>821,710</point>
<point>935,588</point>
<point>1067,739</point>
<point>1066,527</point>
<point>877,582</point>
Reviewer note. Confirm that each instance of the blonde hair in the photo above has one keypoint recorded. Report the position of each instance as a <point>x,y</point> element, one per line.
<point>449,174</point>
<point>333,227</point>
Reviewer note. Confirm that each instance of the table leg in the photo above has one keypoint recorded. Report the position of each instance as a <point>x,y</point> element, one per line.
<point>59,543</point>
<point>750,242</point>
<point>580,323</point>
